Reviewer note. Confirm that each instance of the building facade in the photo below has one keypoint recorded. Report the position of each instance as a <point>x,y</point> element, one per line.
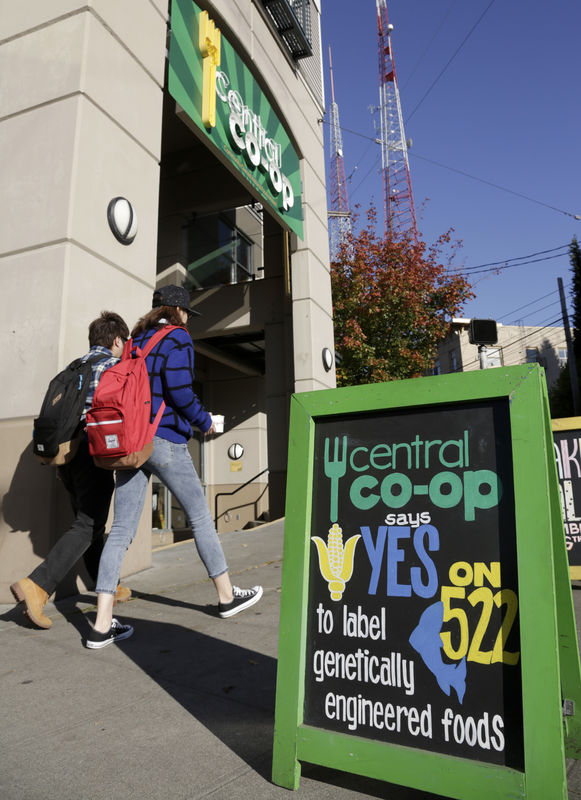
<point>517,344</point>
<point>205,117</point>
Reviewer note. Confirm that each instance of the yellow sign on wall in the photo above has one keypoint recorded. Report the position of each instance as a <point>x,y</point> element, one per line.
<point>209,43</point>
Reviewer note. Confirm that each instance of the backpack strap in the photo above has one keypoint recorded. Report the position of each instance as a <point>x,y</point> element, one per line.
<point>158,336</point>
<point>155,340</point>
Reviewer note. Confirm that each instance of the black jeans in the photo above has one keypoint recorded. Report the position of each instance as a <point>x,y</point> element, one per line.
<point>90,490</point>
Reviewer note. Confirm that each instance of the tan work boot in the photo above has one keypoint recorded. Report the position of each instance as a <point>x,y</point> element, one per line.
<point>122,594</point>
<point>34,599</point>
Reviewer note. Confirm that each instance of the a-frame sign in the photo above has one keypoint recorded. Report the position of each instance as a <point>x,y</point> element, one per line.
<point>427,634</point>
<point>567,441</point>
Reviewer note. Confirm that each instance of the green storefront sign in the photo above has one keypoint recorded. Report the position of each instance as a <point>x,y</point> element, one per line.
<point>241,128</point>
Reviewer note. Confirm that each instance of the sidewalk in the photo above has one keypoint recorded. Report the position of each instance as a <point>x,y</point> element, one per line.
<point>183,710</point>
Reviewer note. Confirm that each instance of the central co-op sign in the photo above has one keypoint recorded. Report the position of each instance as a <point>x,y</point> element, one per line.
<point>250,137</point>
<point>217,91</point>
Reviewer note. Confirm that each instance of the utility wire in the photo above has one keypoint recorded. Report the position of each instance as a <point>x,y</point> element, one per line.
<point>476,271</point>
<point>542,308</point>
<point>532,302</point>
<point>466,175</point>
<point>364,178</point>
<point>520,258</point>
<point>462,43</point>
<point>427,47</point>
<point>495,186</point>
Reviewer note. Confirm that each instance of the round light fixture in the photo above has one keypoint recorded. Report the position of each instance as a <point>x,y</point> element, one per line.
<point>122,220</point>
<point>235,451</point>
<point>327,358</point>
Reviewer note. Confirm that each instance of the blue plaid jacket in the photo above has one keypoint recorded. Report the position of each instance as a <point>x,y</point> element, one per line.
<point>99,368</point>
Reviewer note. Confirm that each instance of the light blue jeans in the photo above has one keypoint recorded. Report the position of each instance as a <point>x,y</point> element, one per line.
<point>173,465</point>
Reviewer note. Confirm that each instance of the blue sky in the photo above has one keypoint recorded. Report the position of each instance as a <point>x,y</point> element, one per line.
<point>505,110</point>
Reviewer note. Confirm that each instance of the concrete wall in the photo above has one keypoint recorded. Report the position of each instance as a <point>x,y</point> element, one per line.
<point>81,87</point>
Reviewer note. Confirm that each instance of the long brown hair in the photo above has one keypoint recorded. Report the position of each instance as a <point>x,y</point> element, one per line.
<point>171,315</point>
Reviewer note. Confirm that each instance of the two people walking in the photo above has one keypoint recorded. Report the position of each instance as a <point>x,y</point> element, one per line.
<point>171,369</point>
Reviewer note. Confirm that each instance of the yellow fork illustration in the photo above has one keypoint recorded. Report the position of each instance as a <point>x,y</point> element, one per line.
<point>336,560</point>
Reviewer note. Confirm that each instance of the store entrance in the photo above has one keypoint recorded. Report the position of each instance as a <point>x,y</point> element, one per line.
<point>216,239</point>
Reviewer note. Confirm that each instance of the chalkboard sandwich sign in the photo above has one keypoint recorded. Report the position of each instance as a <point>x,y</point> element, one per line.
<point>426,635</point>
<point>567,441</point>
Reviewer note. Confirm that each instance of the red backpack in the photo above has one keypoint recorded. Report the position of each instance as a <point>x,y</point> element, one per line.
<point>119,423</point>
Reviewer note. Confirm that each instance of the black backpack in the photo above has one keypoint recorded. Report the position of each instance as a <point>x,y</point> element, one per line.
<point>57,429</point>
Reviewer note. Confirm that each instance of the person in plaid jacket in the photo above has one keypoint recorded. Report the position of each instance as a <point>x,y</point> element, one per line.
<point>90,490</point>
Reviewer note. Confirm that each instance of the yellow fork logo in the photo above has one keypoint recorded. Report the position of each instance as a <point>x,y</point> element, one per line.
<point>209,44</point>
<point>336,561</point>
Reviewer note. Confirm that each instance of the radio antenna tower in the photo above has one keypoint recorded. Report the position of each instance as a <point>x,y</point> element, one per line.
<point>398,202</point>
<point>339,216</point>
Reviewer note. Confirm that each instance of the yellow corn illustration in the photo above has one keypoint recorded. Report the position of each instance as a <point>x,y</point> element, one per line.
<point>336,561</point>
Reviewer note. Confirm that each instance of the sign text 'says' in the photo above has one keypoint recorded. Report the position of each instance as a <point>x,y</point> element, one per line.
<point>413,599</point>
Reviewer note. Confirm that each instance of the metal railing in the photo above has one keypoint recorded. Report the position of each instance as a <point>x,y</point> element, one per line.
<point>292,19</point>
<point>234,491</point>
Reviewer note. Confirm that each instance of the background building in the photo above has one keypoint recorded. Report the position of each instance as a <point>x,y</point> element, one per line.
<point>517,344</point>
<point>104,100</point>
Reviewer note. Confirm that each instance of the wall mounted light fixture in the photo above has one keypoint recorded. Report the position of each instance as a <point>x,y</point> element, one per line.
<point>235,451</point>
<point>327,358</point>
<point>122,220</point>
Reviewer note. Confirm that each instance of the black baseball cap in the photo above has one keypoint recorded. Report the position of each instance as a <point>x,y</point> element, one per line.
<point>175,296</point>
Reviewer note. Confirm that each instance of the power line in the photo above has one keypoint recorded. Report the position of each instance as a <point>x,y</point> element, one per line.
<point>461,45</point>
<point>364,178</point>
<point>532,302</point>
<point>520,258</point>
<point>427,47</point>
<point>467,175</point>
<point>360,160</point>
<point>496,186</point>
<point>477,271</point>
<point>543,308</point>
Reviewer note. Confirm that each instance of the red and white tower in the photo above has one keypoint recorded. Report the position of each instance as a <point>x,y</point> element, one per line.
<point>339,216</point>
<point>398,201</point>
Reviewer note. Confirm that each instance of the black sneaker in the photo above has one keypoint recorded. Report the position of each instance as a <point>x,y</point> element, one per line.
<point>116,633</point>
<point>243,598</point>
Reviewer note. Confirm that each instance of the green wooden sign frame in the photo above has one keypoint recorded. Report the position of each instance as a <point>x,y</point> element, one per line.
<point>549,654</point>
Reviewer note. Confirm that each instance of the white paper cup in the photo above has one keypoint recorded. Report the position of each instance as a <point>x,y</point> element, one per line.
<point>218,420</point>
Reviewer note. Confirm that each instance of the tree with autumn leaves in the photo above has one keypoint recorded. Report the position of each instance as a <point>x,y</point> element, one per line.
<point>392,303</point>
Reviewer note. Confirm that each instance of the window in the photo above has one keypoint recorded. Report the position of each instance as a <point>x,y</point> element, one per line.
<point>453,361</point>
<point>218,252</point>
<point>437,370</point>
<point>562,356</point>
<point>531,355</point>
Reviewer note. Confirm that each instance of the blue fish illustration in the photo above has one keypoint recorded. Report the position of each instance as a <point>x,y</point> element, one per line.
<point>425,639</point>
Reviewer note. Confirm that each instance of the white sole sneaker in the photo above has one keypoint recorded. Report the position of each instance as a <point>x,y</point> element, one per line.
<point>243,599</point>
<point>116,633</point>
